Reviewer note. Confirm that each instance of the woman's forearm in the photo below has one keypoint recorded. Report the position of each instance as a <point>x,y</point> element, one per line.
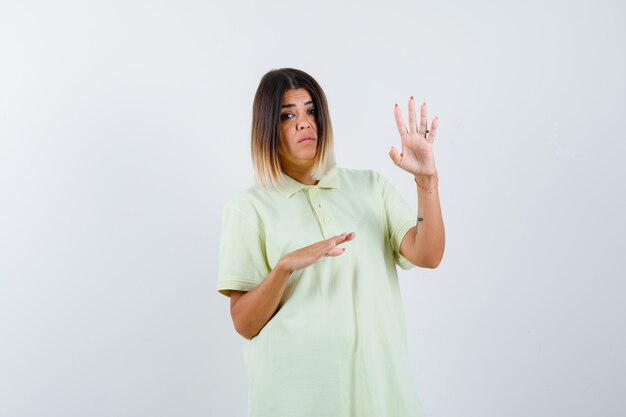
<point>424,244</point>
<point>253,309</point>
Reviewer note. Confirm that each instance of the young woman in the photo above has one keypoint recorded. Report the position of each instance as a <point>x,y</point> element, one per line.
<point>308,258</point>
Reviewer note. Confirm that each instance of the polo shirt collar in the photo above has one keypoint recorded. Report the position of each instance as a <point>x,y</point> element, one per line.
<point>288,186</point>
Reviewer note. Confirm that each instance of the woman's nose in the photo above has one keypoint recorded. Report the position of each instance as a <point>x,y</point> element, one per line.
<point>304,123</point>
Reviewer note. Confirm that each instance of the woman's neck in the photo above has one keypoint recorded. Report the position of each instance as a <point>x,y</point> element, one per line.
<point>299,173</point>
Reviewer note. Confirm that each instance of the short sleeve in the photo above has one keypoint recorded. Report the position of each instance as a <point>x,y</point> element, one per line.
<point>242,261</point>
<point>400,218</point>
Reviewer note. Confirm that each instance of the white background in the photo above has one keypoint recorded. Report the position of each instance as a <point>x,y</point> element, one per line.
<point>124,129</point>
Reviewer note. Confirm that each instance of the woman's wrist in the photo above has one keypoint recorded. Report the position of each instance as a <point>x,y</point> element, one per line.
<point>428,183</point>
<point>282,267</point>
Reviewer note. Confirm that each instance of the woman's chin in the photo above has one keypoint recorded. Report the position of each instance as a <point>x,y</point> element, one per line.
<point>307,157</point>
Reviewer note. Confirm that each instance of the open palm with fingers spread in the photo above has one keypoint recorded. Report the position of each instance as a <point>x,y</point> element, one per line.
<point>417,155</point>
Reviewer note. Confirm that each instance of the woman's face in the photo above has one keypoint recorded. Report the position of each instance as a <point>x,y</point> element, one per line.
<point>298,130</point>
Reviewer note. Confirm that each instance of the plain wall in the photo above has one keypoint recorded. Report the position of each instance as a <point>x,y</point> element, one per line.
<point>124,129</point>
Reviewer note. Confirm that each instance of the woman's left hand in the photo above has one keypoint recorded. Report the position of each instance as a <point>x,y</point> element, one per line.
<point>417,155</point>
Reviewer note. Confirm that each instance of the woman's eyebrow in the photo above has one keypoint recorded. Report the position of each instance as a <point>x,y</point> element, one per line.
<point>293,105</point>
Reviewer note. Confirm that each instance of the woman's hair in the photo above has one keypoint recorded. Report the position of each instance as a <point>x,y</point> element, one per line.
<point>266,125</point>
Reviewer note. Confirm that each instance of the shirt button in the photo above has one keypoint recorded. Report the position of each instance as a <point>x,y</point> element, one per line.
<point>319,205</point>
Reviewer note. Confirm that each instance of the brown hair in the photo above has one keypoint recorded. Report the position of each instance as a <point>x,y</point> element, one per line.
<point>266,125</point>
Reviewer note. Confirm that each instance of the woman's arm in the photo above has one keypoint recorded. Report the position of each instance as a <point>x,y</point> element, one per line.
<point>252,310</point>
<point>423,245</point>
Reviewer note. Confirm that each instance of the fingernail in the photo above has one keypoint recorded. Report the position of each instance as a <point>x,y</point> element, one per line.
<point>411,97</point>
<point>343,234</point>
<point>396,104</point>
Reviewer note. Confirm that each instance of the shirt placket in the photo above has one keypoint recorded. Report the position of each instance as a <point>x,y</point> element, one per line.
<point>324,216</point>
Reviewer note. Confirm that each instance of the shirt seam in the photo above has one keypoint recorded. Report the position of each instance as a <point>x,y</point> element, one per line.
<point>257,230</point>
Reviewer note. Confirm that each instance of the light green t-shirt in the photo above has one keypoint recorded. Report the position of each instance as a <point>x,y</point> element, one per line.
<point>337,344</point>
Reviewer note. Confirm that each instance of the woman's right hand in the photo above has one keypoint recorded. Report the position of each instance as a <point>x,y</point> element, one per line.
<point>301,258</point>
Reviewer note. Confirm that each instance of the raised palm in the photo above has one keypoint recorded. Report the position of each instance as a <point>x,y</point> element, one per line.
<point>417,155</point>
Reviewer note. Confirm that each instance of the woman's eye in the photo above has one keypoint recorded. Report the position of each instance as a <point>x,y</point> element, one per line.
<point>312,110</point>
<point>286,116</point>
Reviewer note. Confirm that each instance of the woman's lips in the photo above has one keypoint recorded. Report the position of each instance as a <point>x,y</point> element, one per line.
<point>307,140</point>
